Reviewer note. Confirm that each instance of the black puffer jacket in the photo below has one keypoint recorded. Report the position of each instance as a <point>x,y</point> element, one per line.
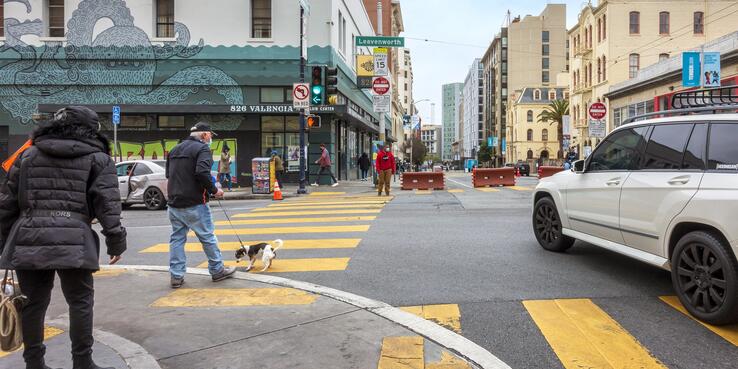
<point>53,191</point>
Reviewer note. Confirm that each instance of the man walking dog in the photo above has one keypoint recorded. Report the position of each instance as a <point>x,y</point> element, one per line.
<point>190,185</point>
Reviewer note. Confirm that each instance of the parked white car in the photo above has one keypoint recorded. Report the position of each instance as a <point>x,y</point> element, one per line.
<point>143,182</point>
<point>663,191</point>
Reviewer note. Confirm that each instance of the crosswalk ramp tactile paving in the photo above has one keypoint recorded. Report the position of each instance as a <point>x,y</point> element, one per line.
<point>234,297</point>
<point>446,315</point>
<point>49,333</point>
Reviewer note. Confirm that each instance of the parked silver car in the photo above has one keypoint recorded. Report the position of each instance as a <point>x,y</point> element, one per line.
<point>143,182</point>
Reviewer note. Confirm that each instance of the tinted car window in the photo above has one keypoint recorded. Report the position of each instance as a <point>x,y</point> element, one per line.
<point>723,151</point>
<point>141,169</point>
<point>666,146</point>
<point>620,151</point>
<point>694,156</point>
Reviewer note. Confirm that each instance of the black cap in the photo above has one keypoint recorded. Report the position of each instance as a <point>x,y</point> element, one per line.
<point>78,114</point>
<point>202,127</point>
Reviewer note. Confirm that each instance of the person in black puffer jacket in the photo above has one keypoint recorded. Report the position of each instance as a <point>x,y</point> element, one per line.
<point>53,191</point>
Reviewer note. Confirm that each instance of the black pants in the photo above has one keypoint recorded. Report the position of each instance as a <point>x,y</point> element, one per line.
<point>77,286</point>
<point>323,170</point>
<point>279,176</point>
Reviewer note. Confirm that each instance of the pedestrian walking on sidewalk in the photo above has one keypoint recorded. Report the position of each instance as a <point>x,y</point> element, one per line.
<point>386,168</point>
<point>189,188</point>
<point>53,191</point>
<point>224,168</point>
<point>325,166</point>
<point>364,164</point>
<point>278,164</point>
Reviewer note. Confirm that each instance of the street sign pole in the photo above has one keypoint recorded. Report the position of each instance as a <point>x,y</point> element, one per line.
<point>301,189</point>
<point>115,119</point>
<point>379,33</point>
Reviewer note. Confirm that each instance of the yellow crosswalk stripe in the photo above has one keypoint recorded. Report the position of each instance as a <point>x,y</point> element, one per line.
<point>488,189</point>
<point>326,193</point>
<point>306,212</point>
<point>340,198</point>
<point>318,207</point>
<point>448,361</point>
<point>519,188</point>
<point>328,243</point>
<point>402,352</point>
<point>447,315</point>
<point>306,203</point>
<point>293,265</point>
<point>422,192</point>
<point>584,336</point>
<point>456,191</point>
<point>49,332</point>
<point>109,272</point>
<point>214,297</point>
<point>298,220</point>
<point>727,332</point>
<point>288,230</point>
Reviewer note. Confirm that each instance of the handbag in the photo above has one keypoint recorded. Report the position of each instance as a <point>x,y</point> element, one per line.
<point>11,302</point>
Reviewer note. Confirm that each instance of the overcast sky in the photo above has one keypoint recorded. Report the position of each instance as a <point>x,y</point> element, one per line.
<point>467,22</point>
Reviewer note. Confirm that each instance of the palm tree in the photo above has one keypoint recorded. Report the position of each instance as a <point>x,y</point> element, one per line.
<point>554,113</point>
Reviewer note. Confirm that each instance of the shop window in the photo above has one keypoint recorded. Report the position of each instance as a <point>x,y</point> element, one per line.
<point>281,134</point>
<point>171,121</point>
<point>133,121</point>
<point>272,95</point>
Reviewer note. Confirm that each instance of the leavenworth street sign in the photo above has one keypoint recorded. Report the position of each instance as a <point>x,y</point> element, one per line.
<point>380,41</point>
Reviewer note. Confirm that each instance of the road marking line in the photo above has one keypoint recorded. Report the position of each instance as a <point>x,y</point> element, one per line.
<point>423,192</point>
<point>214,297</point>
<point>584,336</point>
<point>447,315</point>
<point>337,198</point>
<point>402,352</point>
<point>49,332</point>
<point>298,220</point>
<point>306,203</point>
<point>448,361</point>
<point>326,193</point>
<point>459,183</point>
<point>328,243</point>
<point>293,265</point>
<point>727,332</point>
<point>307,212</point>
<point>110,272</point>
<point>519,188</point>
<point>488,189</point>
<point>456,191</point>
<point>288,230</point>
<point>316,207</point>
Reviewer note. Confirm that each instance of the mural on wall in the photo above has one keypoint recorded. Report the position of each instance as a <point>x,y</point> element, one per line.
<point>159,150</point>
<point>116,66</point>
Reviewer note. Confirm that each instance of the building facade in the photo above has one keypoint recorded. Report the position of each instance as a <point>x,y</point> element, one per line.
<point>614,40</point>
<point>473,106</point>
<point>527,52</point>
<point>528,139</point>
<point>430,135</point>
<point>450,118</point>
<point>171,64</point>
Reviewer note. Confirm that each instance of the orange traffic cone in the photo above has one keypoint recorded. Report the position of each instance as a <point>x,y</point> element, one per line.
<point>277,192</point>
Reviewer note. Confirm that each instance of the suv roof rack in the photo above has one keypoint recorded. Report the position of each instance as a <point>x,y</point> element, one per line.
<point>697,101</point>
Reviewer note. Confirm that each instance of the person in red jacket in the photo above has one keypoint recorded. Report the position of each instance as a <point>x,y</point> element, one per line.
<point>385,169</point>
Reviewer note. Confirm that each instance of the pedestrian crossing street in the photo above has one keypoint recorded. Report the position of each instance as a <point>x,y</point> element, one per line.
<point>337,220</point>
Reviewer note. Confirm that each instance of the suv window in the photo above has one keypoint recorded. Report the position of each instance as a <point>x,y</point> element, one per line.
<point>141,169</point>
<point>694,156</point>
<point>665,148</point>
<point>124,169</point>
<point>620,151</point>
<point>723,152</point>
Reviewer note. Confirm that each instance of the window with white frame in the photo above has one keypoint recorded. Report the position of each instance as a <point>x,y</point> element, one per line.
<point>634,62</point>
<point>261,18</point>
<point>536,94</point>
<point>552,95</point>
<point>341,32</point>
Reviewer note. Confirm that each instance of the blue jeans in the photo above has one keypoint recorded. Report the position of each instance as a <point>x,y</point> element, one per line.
<point>200,221</point>
<point>223,177</point>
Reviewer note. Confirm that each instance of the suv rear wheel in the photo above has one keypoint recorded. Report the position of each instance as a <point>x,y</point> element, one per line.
<point>704,273</point>
<point>547,226</point>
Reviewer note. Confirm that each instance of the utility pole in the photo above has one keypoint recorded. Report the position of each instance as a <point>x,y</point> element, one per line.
<point>379,33</point>
<point>303,151</point>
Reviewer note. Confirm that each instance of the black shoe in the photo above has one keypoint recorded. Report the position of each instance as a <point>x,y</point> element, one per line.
<point>85,362</point>
<point>224,274</point>
<point>176,282</point>
<point>37,365</point>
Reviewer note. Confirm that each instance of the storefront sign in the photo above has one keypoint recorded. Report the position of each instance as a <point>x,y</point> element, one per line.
<point>365,65</point>
<point>277,109</point>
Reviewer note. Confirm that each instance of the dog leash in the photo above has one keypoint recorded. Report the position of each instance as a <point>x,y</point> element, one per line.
<point>229,222</point>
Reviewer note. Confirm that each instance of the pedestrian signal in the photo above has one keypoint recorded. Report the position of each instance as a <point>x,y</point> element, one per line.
<point>313,121</point>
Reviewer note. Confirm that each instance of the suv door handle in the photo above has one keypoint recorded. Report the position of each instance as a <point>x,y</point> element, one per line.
<point>682,180</point>
<point>613,182</point>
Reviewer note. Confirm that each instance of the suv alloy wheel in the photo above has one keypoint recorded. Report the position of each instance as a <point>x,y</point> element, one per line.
<point>547,226</point>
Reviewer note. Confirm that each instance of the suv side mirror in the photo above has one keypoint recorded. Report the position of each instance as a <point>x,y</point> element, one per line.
<point>578,167</point>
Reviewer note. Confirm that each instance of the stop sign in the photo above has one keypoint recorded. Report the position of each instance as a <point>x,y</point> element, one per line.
<point>380,85</point>
<point>597,110</point>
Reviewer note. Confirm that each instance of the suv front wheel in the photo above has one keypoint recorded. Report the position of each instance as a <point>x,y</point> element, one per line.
<point>547,226</point>
<point>704,273</point>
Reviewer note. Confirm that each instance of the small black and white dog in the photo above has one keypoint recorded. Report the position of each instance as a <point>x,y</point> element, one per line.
<point>268,253</point>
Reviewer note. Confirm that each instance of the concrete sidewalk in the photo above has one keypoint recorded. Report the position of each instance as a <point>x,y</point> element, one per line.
<point>251,321</point>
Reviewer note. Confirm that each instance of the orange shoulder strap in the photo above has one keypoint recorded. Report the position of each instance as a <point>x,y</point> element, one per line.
<point>9,163</point>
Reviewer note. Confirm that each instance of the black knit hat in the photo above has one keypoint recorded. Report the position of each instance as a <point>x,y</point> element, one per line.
<point>78,114</point>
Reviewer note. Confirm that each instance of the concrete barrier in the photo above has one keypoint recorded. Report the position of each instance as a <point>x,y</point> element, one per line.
<point>544,172</point>
<point>422,181</point>
<point>483,177</point>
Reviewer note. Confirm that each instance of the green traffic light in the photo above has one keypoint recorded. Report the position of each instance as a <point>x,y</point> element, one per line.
<point>317,89</point>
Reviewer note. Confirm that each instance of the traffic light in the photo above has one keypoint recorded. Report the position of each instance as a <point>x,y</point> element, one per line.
<point>316,86</point>
<point>313,121</point>
<point>331,81</point>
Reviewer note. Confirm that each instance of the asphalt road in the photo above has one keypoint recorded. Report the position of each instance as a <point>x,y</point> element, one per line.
<point>476,249</point>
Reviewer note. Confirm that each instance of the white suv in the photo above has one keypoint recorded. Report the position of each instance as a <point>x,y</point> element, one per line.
<point>663,191</point>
